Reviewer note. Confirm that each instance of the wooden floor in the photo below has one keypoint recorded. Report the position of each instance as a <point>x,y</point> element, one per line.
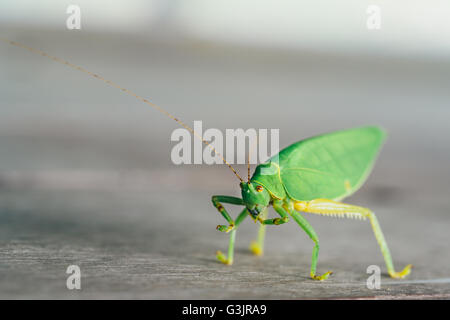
<point>86,177</point>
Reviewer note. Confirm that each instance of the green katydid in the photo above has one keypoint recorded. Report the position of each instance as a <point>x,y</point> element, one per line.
<point>310,176</point>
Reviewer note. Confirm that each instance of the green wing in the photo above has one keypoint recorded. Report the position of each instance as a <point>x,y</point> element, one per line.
<point>330,166</point>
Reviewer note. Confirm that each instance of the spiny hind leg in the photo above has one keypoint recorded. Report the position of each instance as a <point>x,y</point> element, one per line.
<point>338,209</point>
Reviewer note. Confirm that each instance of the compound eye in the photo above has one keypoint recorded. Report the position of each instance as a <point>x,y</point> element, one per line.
<point>259,188</point>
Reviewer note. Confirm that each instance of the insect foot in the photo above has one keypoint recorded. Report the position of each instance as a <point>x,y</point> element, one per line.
<point>225,229</point>
<point>322,277</point>
<point>256,249</point>
<point>221,257</point>
<point>278,221</point>
<point>401,274</point>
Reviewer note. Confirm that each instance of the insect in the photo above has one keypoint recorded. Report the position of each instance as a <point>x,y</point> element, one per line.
<point>309,176</point>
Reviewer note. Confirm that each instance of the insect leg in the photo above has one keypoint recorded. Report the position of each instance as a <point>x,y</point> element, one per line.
<point>312,234</point>
<point>333,208</point>
<point>276,221</point>
<point>220,256</point>
<point>216,200</point>
<point>257,247</point>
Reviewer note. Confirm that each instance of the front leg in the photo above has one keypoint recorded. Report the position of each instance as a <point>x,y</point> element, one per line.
<point>257,247</point>
<point>226,199</point>
<point>231,227</point>
<point>278,206</point>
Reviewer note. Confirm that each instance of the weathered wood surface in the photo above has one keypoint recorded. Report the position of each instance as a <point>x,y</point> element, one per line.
<point>86,177</point>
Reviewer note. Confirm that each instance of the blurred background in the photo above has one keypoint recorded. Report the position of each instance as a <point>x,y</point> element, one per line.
<point>85,171</point>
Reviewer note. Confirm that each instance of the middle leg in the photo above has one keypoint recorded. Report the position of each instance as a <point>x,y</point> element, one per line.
<point>304,224</point>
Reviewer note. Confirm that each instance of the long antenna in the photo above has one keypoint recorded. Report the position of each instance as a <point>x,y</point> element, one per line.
<point>131,93</point>
<point>250,149</point>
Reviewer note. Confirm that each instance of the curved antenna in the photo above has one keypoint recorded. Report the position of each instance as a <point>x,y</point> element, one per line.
<point>250,149</point>
<point>248,167</point>
<point>131,93</point>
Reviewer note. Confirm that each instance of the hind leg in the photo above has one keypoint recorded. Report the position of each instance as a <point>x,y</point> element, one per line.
<point>334,208</point>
